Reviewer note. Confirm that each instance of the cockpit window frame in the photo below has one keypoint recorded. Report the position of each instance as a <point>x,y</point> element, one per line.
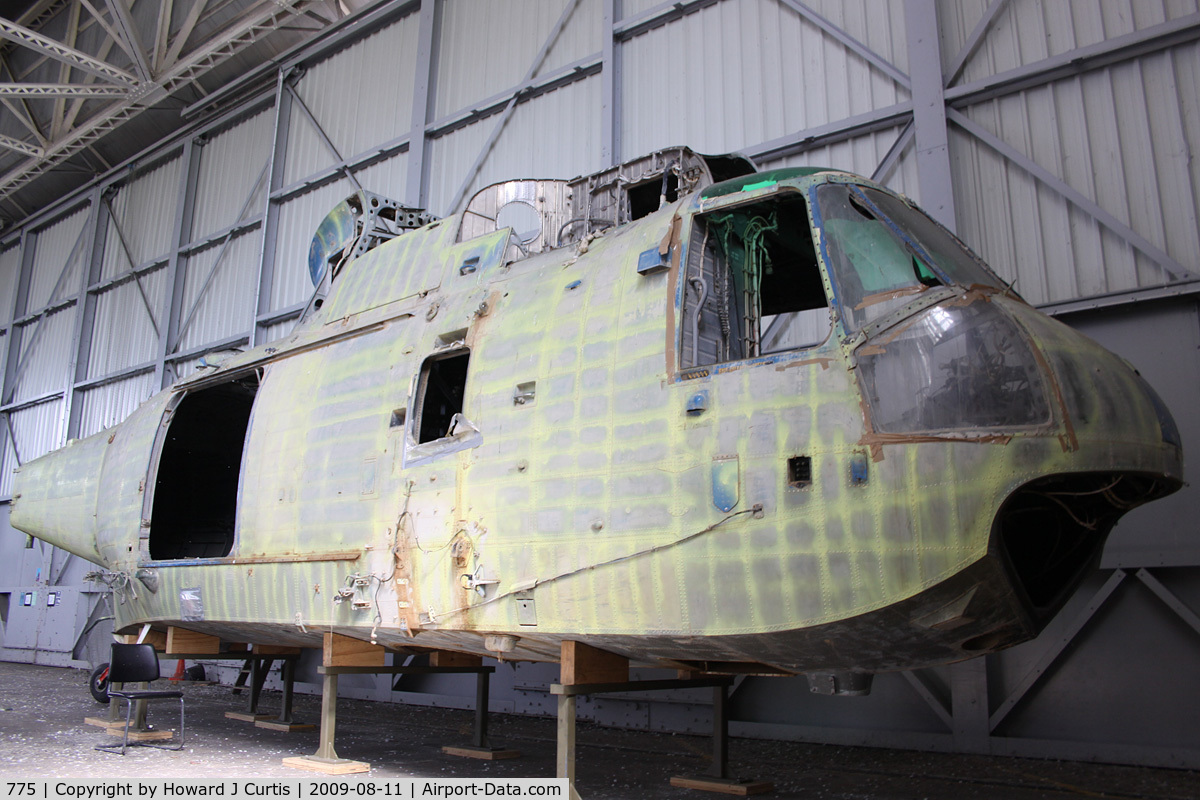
<point>686,371</point>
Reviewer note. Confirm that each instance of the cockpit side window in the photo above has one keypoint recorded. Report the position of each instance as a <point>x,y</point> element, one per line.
<point>752,285</point>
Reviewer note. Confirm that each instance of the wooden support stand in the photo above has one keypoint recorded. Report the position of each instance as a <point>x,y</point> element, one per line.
<point>339,652</point>
<point>141,736</point>
<point>588,671</point>
<point>480,747</point>
<point>180,640</point>
<point>258,662</point>
<point>718,778</point>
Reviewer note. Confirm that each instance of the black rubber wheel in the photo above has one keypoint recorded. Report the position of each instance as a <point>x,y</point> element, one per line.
<point>98,684</point>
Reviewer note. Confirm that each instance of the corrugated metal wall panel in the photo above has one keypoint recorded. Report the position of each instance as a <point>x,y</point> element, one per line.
<point>298,221</point>
<point>38,430</point>
<point>1028,31</point>
<point>739,73</point>
<point>46,354</point>
<point>361,97</point>
<point>144,209</point>
<point>530,146</point>
<point>10,275</point>
<point>124,334</point>
<point>230,166</point>
<point>226,307</point>
<point>111,403</point>
<point>277,331</point>
<point>488,48</point>
<point>862,155</point>
<point>387,177</point>
<point>52,248</point>
<point>1119,137</point>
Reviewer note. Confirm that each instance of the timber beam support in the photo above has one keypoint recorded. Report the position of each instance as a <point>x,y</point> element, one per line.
<point>589,671</point>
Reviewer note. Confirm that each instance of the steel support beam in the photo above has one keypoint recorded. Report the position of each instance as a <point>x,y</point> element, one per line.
<point>73,58</point>
<point>185,201</point>
<point>1075,62</point>
<point>506,115</point>
<point>298,101</point>
<point>1056,648</point>
<point>20,146</point>
<point>60,90</point>
<point>883,172</point>
<point>96,232</point>
<point>974,40</point>
<point>243,32</point>
<point>26,356</point>
<point>212,272</point>
<point>129,39</point>
<point>12,352</point>
<point>610,86</point>
<point>921,686</point>
<point>1090,207</point>
<point>270,215</point>
<point>116,224</point>
<point>850,43</point>
<point>428,37</point>
<point>821,135</point>
<point>929,111</point>
<point>969,704</point>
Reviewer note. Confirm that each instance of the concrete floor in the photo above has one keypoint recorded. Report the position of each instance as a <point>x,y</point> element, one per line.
<point>42,735</point>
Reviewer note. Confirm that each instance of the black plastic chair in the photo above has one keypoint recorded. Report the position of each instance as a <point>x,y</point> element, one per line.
<point>135,663</point>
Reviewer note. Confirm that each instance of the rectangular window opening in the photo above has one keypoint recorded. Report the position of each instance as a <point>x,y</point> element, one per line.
<point>398,417</point>
<point>752,283</point>
<point>646,198</point>
<point>440,394</point>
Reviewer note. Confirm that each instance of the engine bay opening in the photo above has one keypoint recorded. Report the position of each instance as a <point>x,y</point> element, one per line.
<point>1049,531</point>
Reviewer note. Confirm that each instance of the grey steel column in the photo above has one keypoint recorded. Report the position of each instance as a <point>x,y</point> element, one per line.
<point>266,259</point>
<point>20,305</point>
<point>85,312</point>
<point>416,193</point>
<point>185,204</point>
<point>929,111</point>
<point>610,87</point>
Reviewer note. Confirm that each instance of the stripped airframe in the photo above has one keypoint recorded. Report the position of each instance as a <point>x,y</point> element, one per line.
<point>680,411</point>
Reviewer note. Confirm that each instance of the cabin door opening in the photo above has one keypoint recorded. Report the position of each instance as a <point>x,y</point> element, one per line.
<point>199,470</point>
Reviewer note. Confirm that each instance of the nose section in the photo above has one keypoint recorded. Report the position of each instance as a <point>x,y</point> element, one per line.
<point>1121,449</point>
<point>1112,416</point>
<point>54,497</point>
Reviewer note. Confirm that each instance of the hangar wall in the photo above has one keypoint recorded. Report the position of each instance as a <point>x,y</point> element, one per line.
<point>1057,139</point>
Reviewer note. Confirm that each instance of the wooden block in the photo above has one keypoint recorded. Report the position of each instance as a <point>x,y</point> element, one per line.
<point>101,722</point>
<point>582,663</point>
<point>447,658</point>
<point>181,640</point>
<point>275,650</point>
<point>142,736</point>
<point>739,788</point>
<point>344,651</point>
<point>276,725</point>
<point>156,638</point>
<point>242,716</point>
<point>341,766</point>
<point>485,753</point>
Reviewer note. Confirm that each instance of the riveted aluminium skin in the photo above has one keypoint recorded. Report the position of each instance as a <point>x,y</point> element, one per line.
<point>595,500</point>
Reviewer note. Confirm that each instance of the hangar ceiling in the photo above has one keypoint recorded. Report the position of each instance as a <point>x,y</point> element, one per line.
<point>85,84</point>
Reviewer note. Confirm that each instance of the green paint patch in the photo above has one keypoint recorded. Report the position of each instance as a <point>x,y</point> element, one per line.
<point>758,180</point>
